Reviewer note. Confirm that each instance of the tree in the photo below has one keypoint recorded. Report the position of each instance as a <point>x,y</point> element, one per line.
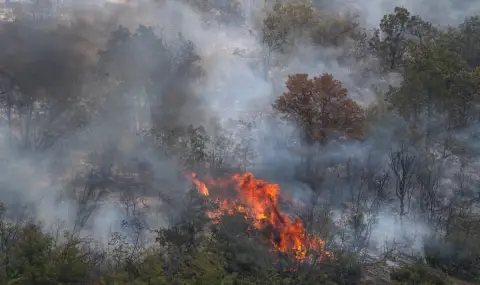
<point>34,258</point>
<point>8,92</point>
<point>46,70</point>
<point>144,67</point>
<point>287,24</point>
<point>403,165</point>
<point>336,30</point>
<point>321,107</point>
<point>457,252</point>
<point>437,81</point>
<point>223,11</point>
<point>291,23</point>
<point>244,249</point>
<point>187,229</point>
<point>466,41</point>
<point>428,175</point>
<point>389,44</point>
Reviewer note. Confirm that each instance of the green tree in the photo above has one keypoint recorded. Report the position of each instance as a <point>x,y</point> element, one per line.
<point>397,31</point>
<point>297,22</point>
<point>244,247</point>
<point>287,24</point>
<point>336,30</point>
<point>188,227</point>
<point>437,80</point>
<point>204,267</point>
<point>457,252</point>
<point>223,11</point>
<point>35,259</point>
<point>466,40</point>
<point>145,268</point>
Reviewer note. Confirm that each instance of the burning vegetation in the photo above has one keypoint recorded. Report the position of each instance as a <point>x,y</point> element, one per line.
<point>258,200</point>
<point>102,108</point>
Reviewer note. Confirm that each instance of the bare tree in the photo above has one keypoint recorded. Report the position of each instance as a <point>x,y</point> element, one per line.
<point>403,165</point>
<point>428,177</point>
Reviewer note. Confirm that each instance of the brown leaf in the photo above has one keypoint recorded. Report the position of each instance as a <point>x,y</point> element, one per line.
<point>321,106</point>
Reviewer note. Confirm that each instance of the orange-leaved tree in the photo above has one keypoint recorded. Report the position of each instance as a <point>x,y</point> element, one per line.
<point>320,105</point>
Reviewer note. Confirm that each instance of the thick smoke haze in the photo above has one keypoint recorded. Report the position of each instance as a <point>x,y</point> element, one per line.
<point>232,84</point>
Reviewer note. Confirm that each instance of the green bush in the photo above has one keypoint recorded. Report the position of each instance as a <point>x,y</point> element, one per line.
<point>33,258</point>
<point>344,269</point>
<point>458,258</point>
<point>418,274</point>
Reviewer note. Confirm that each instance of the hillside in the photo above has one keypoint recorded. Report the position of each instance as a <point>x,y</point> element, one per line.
<point>198,142</point>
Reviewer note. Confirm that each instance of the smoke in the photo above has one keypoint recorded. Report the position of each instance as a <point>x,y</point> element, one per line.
<point>95,125</point>
<point>407,235</point>
<point>226,81</point>
<point>445,12</point>
<point>58,59</point>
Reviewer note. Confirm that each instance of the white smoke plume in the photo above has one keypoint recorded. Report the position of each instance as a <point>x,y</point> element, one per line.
<point>234,86</point>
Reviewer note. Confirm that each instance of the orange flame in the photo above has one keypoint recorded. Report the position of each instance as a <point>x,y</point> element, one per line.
<point>201,187</point>
<point>258,200</point>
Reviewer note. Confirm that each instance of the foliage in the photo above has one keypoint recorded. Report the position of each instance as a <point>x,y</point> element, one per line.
<point>294,22</point>
<point>143,61</point>
<point>464,40</point>
<point>186,231</point>
<point>336,30</point>
<point>397,31</point>
<point>344,269</point>
<point>206,266</point>
<point>437,80</point>
<point>244,249</point>
<point>321,107</point>
<point>29,256</point>
<point>222,11</point>
<point>456,256</point>
<point>287,23</point>
<point>418,274</point>
<point>40,96</point>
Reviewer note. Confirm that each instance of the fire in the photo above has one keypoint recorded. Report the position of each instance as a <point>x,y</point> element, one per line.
<point>258,200</point>
<point>201,187</point>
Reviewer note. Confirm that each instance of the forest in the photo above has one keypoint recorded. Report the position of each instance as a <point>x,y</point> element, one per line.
<point>200,142</point>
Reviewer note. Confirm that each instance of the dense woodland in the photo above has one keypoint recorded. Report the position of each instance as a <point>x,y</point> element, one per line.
<point>294,192</point>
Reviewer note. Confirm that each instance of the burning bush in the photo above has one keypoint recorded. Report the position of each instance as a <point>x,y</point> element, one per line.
<point>258,200</point>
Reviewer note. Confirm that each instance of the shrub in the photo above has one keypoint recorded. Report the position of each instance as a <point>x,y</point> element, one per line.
<point>418,274</point>
<point>344,269</point>
<point>458,258</point>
